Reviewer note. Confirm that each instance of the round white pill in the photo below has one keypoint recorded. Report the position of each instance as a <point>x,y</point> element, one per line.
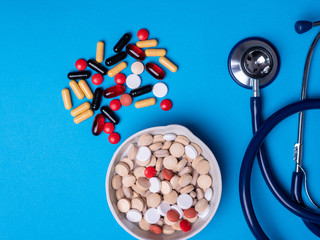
<point>160,90</point>
<point>208,194</point>
<point>155,185</point>
<point>178,209</point>
<point>169,137</point>
<point>184,201</point>
<point>163,208</point>
<point>152,216</point>
<point>134,215</point>
<point>190,151</point>
<point>137,67</point>
<point>133,81</point>
<point>204,213</point>
<point>143,154</point>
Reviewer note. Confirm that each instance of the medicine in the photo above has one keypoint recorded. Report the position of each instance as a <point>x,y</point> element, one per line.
<point>155,52</point>
<point>160,90</point>
<point>100,52</point>
<point>135,52</point>
<point>147,43</point>
<point>115,59</point>
<point>155,71</point>
<point>66,98</point>
<point>76,89</point>
<point>122,42</point>
<point>168,64</point>
<point>116,69</point>
<point>114,91</point>
<point>133,81</point>
<point>140,91</point>
<point>99,68</point>
<point>79,75</point>
<point>145,103</point>
<point>110,115</point>
<point>96,101</point>
<point>83,116</point>
<point>98,124</point>
<point>80,109</point>
<point>85,89</point>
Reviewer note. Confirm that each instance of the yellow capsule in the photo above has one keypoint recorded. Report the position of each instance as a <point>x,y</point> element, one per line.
<point>155,52</point>
<point>116,69</point>
<point>66,98</point>
<point>100,51</point>
<point>80,109</point>
<point>147,43</point>
<point>85,89</point>
<point>168,64</point>
<point>83,116</point>
<point>76,89</point>
<point>145,103</point>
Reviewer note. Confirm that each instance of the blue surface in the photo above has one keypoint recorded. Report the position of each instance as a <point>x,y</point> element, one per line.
<point>53,171</point>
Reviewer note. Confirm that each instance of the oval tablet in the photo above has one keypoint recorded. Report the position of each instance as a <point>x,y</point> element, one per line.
<point>133,81</point>
<point>134,215</point>
<point>152,215</point>
<point>160,90</point>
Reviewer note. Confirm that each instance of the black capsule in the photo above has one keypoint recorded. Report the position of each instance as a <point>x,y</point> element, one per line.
<point>140,91</point>
<point>110,115</point>
<point>99,68</point>
<point>96,101</point>
<point>115,59</point>
<point>79,75</point>
<point>122,42</point>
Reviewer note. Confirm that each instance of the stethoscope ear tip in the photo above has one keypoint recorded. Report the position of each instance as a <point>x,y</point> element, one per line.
<point>303,26</point>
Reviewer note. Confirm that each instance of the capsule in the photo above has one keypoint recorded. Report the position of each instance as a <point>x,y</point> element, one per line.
<point>145,103</point>
<point>83,116</point>
<point>79,75</point>
<point>115,58</point>
<point>155,71</point>
<point>114,91</point>
<point>98,124</point>
<point>76,89</point>
<point>155,52</point>
<point>140,91</point>
<point>135,52</point>
<point>66,98</point>
<point>110,115</point>
<point>80,109</point>
<point>85,89</point>
<point>99,68</point>
<point>168,64</point>
<point>122,42</point>
<point>116,69</point>
<point>100,52</point>
<point>147,43</point>
<point>96,101</point>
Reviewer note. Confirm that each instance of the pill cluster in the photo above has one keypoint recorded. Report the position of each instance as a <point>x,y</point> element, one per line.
<point>163,183</point>
<point>132,81</point>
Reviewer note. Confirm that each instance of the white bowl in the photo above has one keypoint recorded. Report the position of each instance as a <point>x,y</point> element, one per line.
<point>133,228</point>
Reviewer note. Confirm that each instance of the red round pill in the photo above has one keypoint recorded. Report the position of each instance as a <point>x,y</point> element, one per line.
<point>120,78</point>
<point>115,105</point>
<point>114,138</point>
<point>166,105</point>
<point>126,99</point>
<point>108,128</point>
<point>150,172</point>
<point>190,212</point>
<point>97,79</point>
<point>185,226</point>
<point>173,215</point>
<point>143,34</point>
<point>167,174</point>
<point>156,229</point>
<point>81,64</point>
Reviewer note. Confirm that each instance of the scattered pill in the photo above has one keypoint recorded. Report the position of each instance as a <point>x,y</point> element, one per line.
<point>155,52</point>
<point>204,213</point>
<point>145,103</point>
<point>108,128</point>
<point>152,215</point>
<point>81,64</point>
<point>115,105</point>
<point>97,79</point>
<point>100,52</point>
<point>98,124</point>
<point>143,154</point>
<point>191,152</point>
<point>147,43</point>
<point>155,71</point>
<point>168,64</point>
<point>110,115</point>
<point>156,229</point>
<point>83,116</point>
<point>185,226</point>
<point>141,90</point>
<point>122,42</point>
<point>134,215</point>
<point>133,81</point>
<point>114,138</point>
<point>79,75</point>
<point>173,215</point>
<point>160,90</point>
<point>155,185</point>
<point>120,78</point>
<point>166,105</point>
<point>208,194</point>
<point>167,174</point>
<point>96,101</point>
<point>66,98</point>
<point>137,68</point>
<point>169,137</point>
<point>178,209</point>
<point>143,34</point>
<point>76,89</point>
<point>99,68</point>
<point>150,172</point>
<point>135,52</point>
<point>163,208</point>
<point>114,91</point>
<point>184,201</point>
<point>80,109</point>
<point>115,59</point>
<point>125,100</point>
<point>123,205</point>
<point>85,89</point>
<point>117,69</point>
<point>190,212</point>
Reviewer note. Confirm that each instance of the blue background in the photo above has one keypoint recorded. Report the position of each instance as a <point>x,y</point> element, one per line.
<point>52,172</point>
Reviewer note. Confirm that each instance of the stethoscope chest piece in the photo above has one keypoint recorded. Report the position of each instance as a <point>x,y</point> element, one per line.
<point>253,58</point>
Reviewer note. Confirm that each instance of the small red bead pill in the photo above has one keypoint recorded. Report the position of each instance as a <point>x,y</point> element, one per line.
<point>166,105</point>
<point>150,172</point>
<point>98,124</point>
<point>114,138</point>
<point>97,79</point>
<point>108,128</point>
<point>156,229</point>
<point>126,100</point>
<point>81,64</point>
<point>120,78</point>
<point>155,71</point>
<point>115,105</point>
<point>185,226</point>
<point>167,174</point>
<point>143,34</point>
<point>173,215</point>
<point>190,212</point>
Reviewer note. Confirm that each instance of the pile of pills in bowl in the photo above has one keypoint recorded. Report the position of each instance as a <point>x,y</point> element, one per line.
<point>163,183</point>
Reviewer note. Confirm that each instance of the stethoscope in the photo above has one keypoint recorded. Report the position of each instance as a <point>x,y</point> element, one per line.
<point>254,63</point>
